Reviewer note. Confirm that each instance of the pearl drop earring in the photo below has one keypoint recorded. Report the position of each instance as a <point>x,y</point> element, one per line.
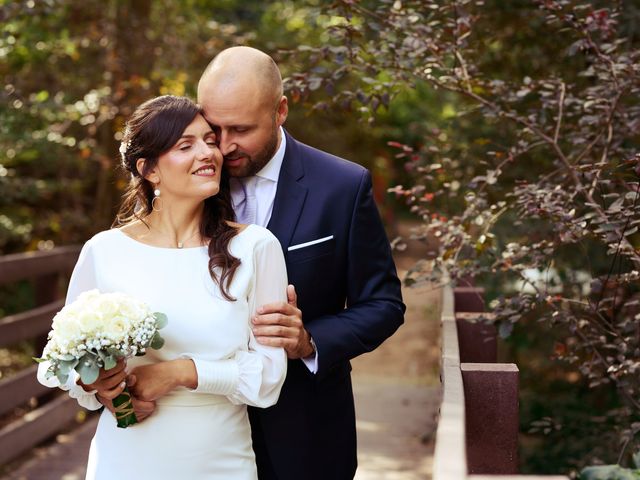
<point>154,203</point>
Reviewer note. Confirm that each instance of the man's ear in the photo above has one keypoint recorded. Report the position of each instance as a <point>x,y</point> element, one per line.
<point>282,111</point>
<point>151,175</point>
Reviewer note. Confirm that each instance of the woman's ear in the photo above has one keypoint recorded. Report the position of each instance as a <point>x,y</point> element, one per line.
<point>151,175</point>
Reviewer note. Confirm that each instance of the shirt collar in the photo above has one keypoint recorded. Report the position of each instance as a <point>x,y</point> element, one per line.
<point>271,170</point>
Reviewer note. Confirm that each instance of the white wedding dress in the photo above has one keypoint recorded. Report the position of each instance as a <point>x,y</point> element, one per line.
<point>193,434</point>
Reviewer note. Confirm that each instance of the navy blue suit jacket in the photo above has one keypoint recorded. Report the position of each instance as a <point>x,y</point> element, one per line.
<point>351,302</point>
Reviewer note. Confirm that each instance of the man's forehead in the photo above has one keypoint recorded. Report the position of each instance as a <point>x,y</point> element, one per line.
<point>224,112</point>
<point>229,117</point>
<point>229,86</point>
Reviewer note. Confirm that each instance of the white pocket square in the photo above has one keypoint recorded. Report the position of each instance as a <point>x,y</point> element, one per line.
<point>308,244</point>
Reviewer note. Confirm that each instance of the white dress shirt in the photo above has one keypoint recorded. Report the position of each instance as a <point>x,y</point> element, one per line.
<point>266,187</point>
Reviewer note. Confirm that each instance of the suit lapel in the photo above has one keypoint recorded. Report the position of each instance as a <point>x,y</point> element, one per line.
<point>290,195</point>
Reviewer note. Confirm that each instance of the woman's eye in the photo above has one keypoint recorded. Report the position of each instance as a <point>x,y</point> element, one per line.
<point>185,146</point>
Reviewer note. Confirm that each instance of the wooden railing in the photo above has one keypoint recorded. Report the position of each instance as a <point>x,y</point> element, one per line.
<point>477,434</point>
<point>46,271</point>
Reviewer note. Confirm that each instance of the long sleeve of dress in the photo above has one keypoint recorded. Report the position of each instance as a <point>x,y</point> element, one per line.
<point>83,279</point>
<point>253,377</point>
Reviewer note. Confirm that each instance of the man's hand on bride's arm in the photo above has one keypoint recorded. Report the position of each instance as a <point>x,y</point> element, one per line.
<point>150,382</point>
<point>280,325</point>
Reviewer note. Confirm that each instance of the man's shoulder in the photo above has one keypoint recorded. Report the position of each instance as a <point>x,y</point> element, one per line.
<point>318,161</point>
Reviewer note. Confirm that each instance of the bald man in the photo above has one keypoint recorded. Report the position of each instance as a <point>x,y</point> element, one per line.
<point>345,295</point>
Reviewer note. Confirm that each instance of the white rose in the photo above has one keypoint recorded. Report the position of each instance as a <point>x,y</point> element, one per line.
<point>106,306</point>
<point>117,328</point>
<point>133,311</point>
<point>90,321</point>
<point>66,330</point>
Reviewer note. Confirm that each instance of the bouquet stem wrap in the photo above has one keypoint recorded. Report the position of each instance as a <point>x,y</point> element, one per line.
<point>124,412</point>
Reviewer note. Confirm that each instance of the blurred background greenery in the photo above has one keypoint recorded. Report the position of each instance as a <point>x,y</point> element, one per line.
<point>73,72</point>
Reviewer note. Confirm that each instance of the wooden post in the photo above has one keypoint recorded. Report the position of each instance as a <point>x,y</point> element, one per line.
<point>491,407</point>
<point>469,299</point>
<point>478,338</point>
<point>46,291</point>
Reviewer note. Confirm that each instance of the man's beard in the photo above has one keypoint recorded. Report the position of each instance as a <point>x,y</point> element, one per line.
<point>256,162</point>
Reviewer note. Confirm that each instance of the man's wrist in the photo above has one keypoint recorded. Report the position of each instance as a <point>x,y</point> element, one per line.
<point>314,349</point>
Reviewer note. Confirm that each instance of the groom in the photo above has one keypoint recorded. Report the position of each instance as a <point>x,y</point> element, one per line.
<point>346,299</point>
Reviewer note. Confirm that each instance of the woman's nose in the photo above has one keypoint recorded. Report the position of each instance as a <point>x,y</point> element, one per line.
<point>206,150</point>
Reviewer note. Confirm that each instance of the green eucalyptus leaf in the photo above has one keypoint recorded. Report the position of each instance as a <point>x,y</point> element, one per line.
<point>39,360</point>
<point>157,341</point>
<point>103,354</point>
<point>109,362</point>
<point>66,366</point>
<point>114,352</point>
<point>62,377</point>
<point>88,369</point>
<point>161,320</point>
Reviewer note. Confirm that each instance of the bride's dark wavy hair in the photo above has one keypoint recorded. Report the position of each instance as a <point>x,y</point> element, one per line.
<point>152,130</point>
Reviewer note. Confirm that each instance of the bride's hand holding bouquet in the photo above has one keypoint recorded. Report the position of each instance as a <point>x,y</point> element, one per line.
<point>93,336</point>
<point>111,383</point>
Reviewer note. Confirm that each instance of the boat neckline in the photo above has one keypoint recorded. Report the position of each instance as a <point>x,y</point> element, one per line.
<point>119,230</point>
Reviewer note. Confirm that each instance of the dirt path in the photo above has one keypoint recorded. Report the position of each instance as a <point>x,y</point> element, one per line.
<point>397,394</point>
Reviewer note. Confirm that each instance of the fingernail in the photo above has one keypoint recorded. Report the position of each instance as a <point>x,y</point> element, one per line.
<point>122,385</point>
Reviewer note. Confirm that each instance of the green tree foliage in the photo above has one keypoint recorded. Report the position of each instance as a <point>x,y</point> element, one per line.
<point>73,73</point>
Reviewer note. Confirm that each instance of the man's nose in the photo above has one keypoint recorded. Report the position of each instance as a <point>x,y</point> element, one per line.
<point>226,145</point>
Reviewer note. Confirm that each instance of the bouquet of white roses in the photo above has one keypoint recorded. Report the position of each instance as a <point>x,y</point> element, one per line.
<point>94,332</point>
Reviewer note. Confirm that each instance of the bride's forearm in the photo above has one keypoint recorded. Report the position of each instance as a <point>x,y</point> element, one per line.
<point>185,373</point>
<point>150,382</point>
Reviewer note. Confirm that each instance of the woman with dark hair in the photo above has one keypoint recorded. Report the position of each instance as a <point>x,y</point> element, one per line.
<point>176,248</point>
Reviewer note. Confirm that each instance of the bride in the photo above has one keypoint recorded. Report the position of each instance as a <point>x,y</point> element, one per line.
<point>177,249</point>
